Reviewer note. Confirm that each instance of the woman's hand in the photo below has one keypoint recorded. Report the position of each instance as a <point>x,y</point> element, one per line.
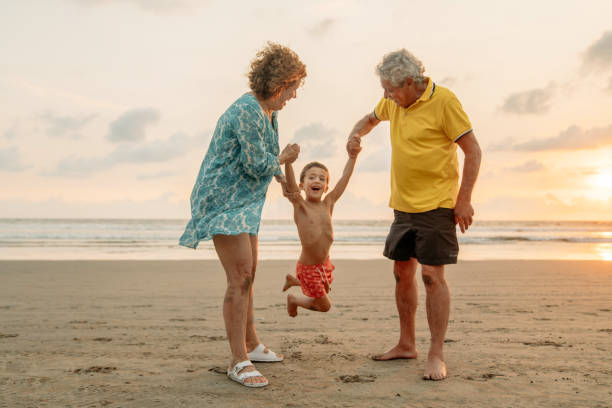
<point>289,154</point>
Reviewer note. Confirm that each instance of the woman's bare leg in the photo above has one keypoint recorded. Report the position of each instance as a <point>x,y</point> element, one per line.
<point>251,338</point>
<point>236,255</point>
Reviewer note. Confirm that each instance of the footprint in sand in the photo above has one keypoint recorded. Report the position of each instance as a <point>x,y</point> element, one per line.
<point>296,355</point>
<point>208,338</point>
<point>323,339</point>
<point>357,378</point>
<point>543,343</point>
<point>94,369</point>
<point>345,356</point>
<point>218,370</point>
<point>486,376</point>
<point>601,330</point>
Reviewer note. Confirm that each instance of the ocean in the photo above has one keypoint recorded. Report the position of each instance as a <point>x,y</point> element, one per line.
<point>151,239</point>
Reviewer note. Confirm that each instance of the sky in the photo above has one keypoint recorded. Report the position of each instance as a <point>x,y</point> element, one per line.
<point>108,106</point>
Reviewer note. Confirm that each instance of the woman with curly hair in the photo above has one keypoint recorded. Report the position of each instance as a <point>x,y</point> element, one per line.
<point>230,191</point>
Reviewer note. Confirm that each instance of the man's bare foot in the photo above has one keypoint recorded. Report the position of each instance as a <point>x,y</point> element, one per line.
<point>435,369</point>
<point>291,305</point>
<point>396,353</point>
<point>290,281</point>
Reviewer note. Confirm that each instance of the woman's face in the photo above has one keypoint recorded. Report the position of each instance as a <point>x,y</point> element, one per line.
<point>278,102</point>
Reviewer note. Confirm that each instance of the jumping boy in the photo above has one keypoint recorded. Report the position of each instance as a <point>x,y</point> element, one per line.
<point>312,216</point>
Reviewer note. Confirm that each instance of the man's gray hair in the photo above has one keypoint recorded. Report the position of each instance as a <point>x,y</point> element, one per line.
<point>399,65</point>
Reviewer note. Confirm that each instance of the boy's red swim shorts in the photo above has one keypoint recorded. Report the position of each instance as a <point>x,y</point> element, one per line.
<point>315,279</point>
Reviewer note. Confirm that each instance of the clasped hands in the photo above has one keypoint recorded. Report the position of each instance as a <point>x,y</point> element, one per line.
<point>289,154</point>
<point>353,145</point>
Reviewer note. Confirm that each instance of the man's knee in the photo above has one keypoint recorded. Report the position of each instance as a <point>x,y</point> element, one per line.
<point>404,271</point>
<point>433,276</point>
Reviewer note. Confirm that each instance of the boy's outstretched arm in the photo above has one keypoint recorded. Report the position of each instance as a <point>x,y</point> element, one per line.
<point>335,194</point>
<point>290,188</point>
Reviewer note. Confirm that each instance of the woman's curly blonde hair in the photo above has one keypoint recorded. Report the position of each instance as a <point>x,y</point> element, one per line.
<point>274,69</point>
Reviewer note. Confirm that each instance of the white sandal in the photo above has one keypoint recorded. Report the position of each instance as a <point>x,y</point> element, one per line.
<point>239,378</point>
<point>259,355</point>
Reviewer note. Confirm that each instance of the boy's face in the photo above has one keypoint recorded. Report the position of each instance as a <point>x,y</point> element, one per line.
<point>315,182</point>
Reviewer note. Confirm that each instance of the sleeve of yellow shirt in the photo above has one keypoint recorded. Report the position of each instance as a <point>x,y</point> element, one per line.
<point>382,110</point>
<point>456,122</point>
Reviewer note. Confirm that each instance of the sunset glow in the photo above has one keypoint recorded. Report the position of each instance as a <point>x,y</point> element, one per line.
<point>114,123</point>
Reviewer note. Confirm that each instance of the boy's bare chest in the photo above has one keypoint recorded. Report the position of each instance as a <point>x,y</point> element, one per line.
<point>314,218</point>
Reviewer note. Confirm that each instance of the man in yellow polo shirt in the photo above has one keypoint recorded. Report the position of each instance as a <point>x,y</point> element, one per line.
<point>427,123</point>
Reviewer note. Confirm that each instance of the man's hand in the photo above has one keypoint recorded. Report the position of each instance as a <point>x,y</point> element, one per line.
<point>463,214</point>
<point>289,154</point>
<point>353,145</point>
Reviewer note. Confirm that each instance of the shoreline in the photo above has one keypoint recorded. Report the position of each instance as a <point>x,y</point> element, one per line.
<point>150,333</point>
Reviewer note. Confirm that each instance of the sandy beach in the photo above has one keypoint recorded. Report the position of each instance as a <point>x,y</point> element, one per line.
<point>151,334</point>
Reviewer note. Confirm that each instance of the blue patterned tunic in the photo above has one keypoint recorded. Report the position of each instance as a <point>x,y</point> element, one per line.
<point>231,187</point>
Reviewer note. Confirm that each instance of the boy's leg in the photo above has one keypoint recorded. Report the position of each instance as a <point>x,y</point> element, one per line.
<point>322,304</point>
<point>290,281</point>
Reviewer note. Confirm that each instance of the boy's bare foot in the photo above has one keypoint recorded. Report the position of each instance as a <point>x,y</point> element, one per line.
<point>435,369</point>
<point>396,352</point>
<point>291,305</point>
<point>290,281</point>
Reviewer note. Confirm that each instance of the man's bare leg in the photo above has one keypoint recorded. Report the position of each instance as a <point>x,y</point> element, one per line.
<point>290,281</point>
<point>322,304</point>
<point>406,298</point>
<point>438,310</point>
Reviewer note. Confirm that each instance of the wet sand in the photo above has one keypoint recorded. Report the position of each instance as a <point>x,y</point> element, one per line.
<point>151,334</point>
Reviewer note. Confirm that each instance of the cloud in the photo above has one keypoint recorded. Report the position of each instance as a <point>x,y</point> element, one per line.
<point>130,127</point>
<point>379,160</point>
<point>65,126</point>
<point>11,132</point>
<point>599,55</point>
<point>151,152</point>
<point>572,138</point>
<point>535,101</point>
<point>316,141</point>
<point>609,88</point>
<point>158,175</point>
<point>10,160</point>
<point>322,28</point>
<point>527,167</point>
<point>149,5</point>
<point>502,145</point>
<point>449,81</point>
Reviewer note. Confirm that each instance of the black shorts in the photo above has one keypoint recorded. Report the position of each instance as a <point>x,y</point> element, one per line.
<point>430,237</point>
